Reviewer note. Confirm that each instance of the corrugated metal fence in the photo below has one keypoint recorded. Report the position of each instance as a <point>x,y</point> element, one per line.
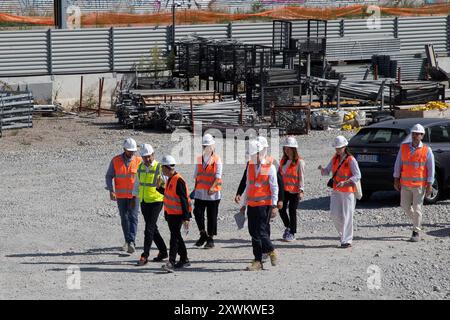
<point>118,49</point>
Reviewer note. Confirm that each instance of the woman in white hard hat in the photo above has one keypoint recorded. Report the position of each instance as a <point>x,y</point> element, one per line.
<point>122,170</point>
<point>292,170</point>
<point>177,212</point>
<point>346,174</point>
<point>149,171</point>
<point>207,195</point>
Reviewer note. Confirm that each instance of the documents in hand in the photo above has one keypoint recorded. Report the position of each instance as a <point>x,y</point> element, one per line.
<point>241,220</point>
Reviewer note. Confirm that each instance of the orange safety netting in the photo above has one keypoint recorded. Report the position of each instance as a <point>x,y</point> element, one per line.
<point>9,18</point>
<point>184,16</point>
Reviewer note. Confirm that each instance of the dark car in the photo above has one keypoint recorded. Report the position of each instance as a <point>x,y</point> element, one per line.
<point>376,146</point>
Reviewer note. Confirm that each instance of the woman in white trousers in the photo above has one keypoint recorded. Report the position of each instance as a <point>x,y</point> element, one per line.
<point>346,174</point>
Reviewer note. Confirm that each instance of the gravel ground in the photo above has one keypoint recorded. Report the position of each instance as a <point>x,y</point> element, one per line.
<point>55,213</point>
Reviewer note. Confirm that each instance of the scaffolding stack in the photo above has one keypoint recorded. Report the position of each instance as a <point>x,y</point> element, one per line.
<point>16,110</point>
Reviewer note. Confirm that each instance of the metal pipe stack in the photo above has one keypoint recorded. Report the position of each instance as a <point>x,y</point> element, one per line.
<point>16,110</point>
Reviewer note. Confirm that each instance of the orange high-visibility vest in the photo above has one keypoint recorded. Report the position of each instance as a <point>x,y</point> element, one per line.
<point>172,202</point>
<point>291,178</point>
<point>258,193</point>
<point>344,173</point>
<point>124,176</point>
<point>205,177</point>
<point>414,170</point>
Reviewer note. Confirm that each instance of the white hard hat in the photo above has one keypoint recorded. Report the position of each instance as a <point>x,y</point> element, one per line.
<point>168,161</point>
<point>208,140</point>
<point>263,141</point>
<point>339,142</point>
<point>130,145</point>
<point>146,150</point>
<point>254,147</point>
<point>418,128</point>
<point>291,142</point>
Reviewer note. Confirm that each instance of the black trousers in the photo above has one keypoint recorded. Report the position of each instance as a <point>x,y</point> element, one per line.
<point>177,245</point>
<point>258,222</point>
<point>212,210</point>
<point>290,201</point>
<point>151,211</point>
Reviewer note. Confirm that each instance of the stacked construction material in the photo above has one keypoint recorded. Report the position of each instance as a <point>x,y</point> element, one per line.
<point>167,110</point>
<point>411,65</point>
<point>356,49</point>
<point>129,104</point>
<point>16,110</point>
<point>378,91</point>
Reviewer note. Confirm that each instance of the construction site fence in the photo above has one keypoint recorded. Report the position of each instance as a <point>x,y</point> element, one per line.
<point>127,49</point>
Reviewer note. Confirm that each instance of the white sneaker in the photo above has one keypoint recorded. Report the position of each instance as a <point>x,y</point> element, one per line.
<point>286,233</point>
<point>125,246</point>
<point>131,248</point>
<point>290,237</point>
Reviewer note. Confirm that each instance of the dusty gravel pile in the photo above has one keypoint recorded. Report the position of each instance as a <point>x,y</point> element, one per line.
<point>55,213</point>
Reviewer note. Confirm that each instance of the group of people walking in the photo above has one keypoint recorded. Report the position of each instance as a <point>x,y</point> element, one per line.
<point>266,188</point>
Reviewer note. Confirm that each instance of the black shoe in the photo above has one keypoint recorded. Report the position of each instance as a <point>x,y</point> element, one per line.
<point>209,243</point>
<point>415,237</point>
<point>202,240</point>
<point>182,264</point>
<point>345,245</point>
<point>160,257</point>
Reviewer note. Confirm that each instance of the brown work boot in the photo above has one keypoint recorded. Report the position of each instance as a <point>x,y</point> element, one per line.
<point>273,258</point>
<point>255,266</point>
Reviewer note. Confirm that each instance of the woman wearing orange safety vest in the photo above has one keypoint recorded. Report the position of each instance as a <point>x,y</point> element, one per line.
<point>346,174</point>
<point>261,199</point>
<point>177,211</point>
<point>123,169</point>
<point>292,168</point>
<point>414,176</point>
<point>207,195</point>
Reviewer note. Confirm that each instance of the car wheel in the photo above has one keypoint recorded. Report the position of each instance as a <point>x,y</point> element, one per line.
<point>435,192</point>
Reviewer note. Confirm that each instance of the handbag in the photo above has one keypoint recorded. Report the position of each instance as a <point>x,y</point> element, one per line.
<point>358,191</point>
<point>330,182</point>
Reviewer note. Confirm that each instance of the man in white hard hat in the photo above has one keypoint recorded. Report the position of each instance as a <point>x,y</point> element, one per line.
<point>267,159</point>
<point>414,177</point>
<point>207,195</point>
<point>177,212</point>
<point>149,171</point>
<point>122,170</point>
<point>261,201</point>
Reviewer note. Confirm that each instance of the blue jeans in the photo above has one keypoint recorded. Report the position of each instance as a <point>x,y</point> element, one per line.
<point>129,218</point>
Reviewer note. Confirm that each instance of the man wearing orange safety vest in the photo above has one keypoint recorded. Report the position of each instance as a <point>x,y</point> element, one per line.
<point>414,177</point>
<point>261,200</point>
<point>177,211</point>
<point>122,170</point>
<point>207,195</point>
